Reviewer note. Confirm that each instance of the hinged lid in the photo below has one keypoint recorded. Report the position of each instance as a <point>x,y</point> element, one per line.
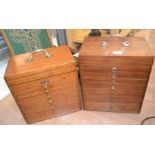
<point>19,71</point>
<point>113,46</point>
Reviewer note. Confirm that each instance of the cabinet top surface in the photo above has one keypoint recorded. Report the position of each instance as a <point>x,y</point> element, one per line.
<point>18,66</point>
<point>93,46</point>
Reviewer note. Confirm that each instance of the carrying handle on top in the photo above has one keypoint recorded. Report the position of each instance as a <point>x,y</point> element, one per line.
<point>30,59</point>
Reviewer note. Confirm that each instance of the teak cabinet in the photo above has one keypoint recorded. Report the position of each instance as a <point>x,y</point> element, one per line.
<point>45,87</point>
<point>114,77</point>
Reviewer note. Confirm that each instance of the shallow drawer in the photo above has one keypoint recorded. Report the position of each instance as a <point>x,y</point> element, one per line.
<point>127,67</point>
<point>55,83</point>
<point>113,98</point>
<point>121,86</point>
<point>113,107</point>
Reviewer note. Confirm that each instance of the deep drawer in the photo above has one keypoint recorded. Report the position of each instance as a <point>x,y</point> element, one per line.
<point>127,91</point>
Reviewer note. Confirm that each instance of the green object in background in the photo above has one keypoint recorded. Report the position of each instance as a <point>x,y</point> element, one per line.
<point>27,40</point>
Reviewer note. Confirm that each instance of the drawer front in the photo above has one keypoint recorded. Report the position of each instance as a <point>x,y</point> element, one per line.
<point>33,100</point>
<point>127,97</point>
<point>114,83</point>
<point>112,107</point>
<point>122,86</point>
<point>127,67</point>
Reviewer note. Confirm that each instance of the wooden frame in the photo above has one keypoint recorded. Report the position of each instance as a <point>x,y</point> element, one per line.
<point>10,47</point>
<point>49,36</point>
<point>7,42</point>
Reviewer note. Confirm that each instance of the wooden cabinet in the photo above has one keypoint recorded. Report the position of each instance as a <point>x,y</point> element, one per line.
<point>45,87</point>
<point>114,77</point>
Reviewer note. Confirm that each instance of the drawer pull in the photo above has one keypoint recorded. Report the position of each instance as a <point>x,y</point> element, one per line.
<point>114,70</point>
<point>44,84</point>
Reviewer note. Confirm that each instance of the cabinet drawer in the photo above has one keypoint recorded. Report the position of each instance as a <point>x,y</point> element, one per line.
<point>55,83</point>
<point>126,91</point>
<point>113,107</point>
<point>127,67</point>
<point>40,108</point>
<point>113,99</point>
<point>122,86</point>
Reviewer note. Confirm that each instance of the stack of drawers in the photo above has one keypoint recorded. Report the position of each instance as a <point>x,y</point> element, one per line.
<point>114,77</point>
<point>45,87</point>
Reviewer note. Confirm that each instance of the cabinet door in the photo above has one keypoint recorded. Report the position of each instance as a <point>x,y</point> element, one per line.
<point>33,99</point>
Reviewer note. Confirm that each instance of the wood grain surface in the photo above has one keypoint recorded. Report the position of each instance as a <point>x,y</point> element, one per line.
<point>10,114</point>
<point>24,81</point>
<point>137,47</point>
<point>133,70</point>
<point>18,71</point>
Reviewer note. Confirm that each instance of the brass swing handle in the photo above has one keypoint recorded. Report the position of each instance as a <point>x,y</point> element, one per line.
<point>30,59</point>
<point>44,84</point>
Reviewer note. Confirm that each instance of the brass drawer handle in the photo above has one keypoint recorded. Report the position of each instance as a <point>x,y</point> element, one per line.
<point>114,70</point>
<point>44,84</point>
